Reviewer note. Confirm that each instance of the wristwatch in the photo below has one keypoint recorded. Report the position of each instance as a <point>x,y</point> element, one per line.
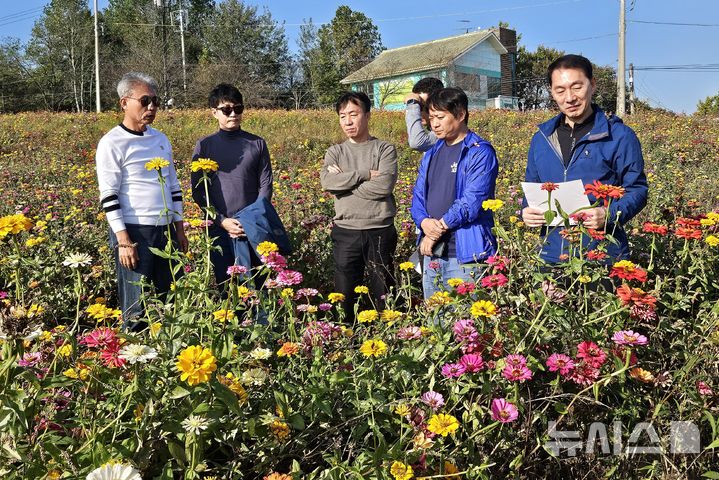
<point>412,101</point>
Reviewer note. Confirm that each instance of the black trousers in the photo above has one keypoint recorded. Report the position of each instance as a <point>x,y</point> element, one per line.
<point>354,252</point>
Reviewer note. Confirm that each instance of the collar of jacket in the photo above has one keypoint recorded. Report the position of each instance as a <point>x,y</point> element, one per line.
<point>471,140</point>
<point>600,129</point>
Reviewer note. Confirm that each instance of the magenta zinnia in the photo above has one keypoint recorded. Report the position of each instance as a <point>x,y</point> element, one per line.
<point>503,411</point>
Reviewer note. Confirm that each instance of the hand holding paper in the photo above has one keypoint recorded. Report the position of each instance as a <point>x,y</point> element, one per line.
<point>570,196</point>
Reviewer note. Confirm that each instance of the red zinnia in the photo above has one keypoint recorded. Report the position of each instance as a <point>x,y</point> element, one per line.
<point>635,296</point>
<point>688,222</point>
<point>591,354</point>
<point>688,233</point>
<point>626,270</point>
<point>549,186</point>
<point>596,255</point>
<point>595,234</point>
<point>493,281</point>
<point>604,192</point>
<point>579,217</point>
<point>649,227</point>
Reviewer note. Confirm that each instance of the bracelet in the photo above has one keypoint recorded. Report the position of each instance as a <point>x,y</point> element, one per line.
<point>125,245</point>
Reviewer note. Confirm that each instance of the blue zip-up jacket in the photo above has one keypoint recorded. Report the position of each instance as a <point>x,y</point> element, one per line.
<point>475,181</point>
<point>610,153</point>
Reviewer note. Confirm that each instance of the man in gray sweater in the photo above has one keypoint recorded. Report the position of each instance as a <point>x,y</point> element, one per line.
<point>415,114</point>
<point>361,174</point>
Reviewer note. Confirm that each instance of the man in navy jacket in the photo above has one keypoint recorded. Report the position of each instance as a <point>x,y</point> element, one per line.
<point>581,143</point>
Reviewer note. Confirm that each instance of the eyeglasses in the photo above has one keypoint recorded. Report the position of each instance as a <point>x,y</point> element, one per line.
<point>228,110</point>
<point>145,100</point>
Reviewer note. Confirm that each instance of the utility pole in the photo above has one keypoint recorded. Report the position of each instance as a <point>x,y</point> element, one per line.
<point>165,80</point>
<point>621,87</point>
<point>182,12</point>
<point>631,89</point>
<point>97,64</point>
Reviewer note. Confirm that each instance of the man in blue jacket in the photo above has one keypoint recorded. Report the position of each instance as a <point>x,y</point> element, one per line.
<point>455,176</point>
<point>581,143</point>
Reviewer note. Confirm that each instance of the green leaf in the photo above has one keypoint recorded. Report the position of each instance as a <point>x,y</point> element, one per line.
<point>177,450</point>
<point>714,444</point>
<point>227,397</point>
<point>561,408</point>
<point>179,392</point>
<point>549,217</point>
<point>710,474</point>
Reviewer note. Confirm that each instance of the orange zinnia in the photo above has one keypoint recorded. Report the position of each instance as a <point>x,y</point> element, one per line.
<point>649,227</point>
<point>603,192</point>
<point>626,270</point>
<point>635,296</point>
<point>688,233</point>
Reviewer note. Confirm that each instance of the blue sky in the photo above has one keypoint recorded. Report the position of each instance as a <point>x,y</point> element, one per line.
<point>588,27</point>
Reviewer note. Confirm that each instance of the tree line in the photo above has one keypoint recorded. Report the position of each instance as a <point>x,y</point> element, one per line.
<point>228,41</point>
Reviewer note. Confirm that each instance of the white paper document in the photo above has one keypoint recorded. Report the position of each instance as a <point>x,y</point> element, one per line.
<point>570,196</point>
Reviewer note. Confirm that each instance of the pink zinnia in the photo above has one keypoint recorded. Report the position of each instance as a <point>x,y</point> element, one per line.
<point>516,374</point>
<point>591,354</point>
<point>434,265</point>
<point>472,362</point>
<point>515,360</point>
<point>110,356</point>
<point>560,362</point>
<point>704,389</point>
<point>465,288</point>
<point>432,399</point>
<point>409,333</point>
<point>275,261</point>
<point>306,292</point>
<point>494,281</point>
<point>498,262</point>
<point>453,370</point>
<point>30,359</point>
<point>584,374</point>
<point>99,338</point>
<point>503,411</point>
<point>287,278</point>
<point>233,270</point>
<point>464,330</point>
<point>628,337</point>
<point>325,307</point>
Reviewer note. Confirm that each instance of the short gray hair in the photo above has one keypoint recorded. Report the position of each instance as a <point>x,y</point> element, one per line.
<point>130,80</point>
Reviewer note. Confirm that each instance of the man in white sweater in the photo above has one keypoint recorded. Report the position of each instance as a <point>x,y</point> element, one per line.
<point>139,207</point>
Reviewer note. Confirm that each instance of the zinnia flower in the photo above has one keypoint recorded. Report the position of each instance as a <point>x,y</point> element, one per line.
<point>503,411</point>
<point>642,375</point>
<point>472,362</point>
<point>390,315</point>
<point>287,278</point>
<point>712,240</point>
<point>406,266</point>
<point>336,297</point>
<point>561,363</point>
<point>517,374</point>
<point>549,186</point>
<point>265,248</point>
<point>361,289</point>
<point>654,228</point>
<point>400,471</point>
<point>223,315</point>
<point>591,354</point>
<point>77,260</point>
<point>367,316</point>
<point>628,337</point>
<point>373,348</point>
<point>453,370</point>
<point>494,281</point>
<point>233,270</point>
<point>204,164</point>
<point>688,233</point>
<point>442,424</point>
<point>483,308</point>
<point>596,255</point>
<point>99,338</point>
<point>626,270</point>
<point>135,353</point>
<point>516,360</point>
<point>409,333</point>
<point>157,163</point>
<point>14,224</point>
<point>114,471</point>
<point>195,424</point>
<point>196,364</point>
<point>603,192</point>
<point>635,296</point>
<point>492,204</point>
<point>288,349</point>
<point>433,400</point>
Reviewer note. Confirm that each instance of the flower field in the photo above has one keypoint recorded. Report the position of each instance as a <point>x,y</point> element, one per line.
<point>463,385</point>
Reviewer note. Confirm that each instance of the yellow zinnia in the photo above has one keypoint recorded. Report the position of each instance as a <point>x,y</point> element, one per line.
<point>712,240</point>
<point>367,316</point>
<point>361,289</point>
<point>336,297</point>
<point>405,266</point>
<point>492,204</point>
<point>483,308</point>
<point>373,348</point>
<point>401,471</point>
<point>391,315</point>
<point>454,282</point>
<point>156,163</point>
<point>223,315</point>
<point>265,248</point>
<point>442,424</point>
<point>196,364</point>
<point>205,165</point>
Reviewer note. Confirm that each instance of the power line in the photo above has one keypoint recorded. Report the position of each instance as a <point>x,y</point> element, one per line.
<point>21,13</point>
<point>677,24</point>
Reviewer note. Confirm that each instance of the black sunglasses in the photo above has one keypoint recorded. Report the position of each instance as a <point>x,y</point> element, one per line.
<point>228,110</point>
<point>145,100</point>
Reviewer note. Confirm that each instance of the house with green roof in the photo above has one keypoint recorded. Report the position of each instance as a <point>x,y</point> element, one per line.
<point>482,63</point>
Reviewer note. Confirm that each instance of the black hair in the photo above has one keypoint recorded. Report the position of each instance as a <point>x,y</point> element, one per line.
<point>428,85</point>
<point>570,61</point>
<point>225,92</point>
<point>452,100</point>
<point>358,98</point>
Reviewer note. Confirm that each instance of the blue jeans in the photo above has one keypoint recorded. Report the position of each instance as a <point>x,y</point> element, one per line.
<point>149,266</point>
<point>435,280</point>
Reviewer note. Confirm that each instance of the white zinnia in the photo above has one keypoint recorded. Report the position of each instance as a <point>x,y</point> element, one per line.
<point>136,353</point>
<point>195,424</point>
<point>261,353</point>
<point>114,471</point>
<point>254,376</point>
<point>77,260</point>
